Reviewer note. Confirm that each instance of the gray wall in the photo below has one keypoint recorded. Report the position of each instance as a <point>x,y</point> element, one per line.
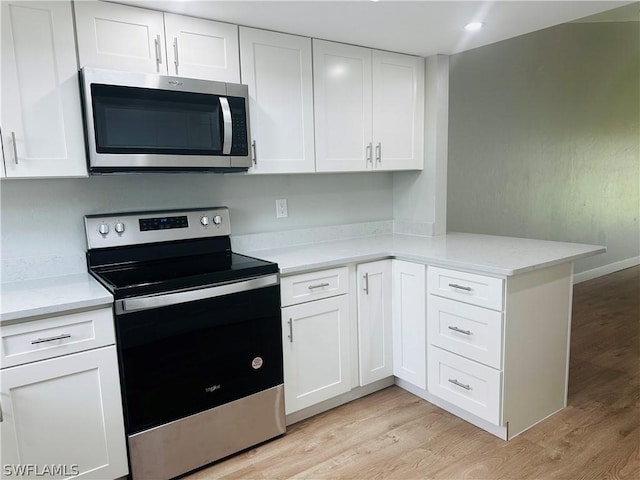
<point>544,134</point>
<point>44,217</point>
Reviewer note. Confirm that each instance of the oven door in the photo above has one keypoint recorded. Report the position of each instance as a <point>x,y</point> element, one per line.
<point>144,122</point>
<point>180,354</point>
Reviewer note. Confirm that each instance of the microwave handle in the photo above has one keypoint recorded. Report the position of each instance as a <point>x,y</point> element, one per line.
<point>227,126</point>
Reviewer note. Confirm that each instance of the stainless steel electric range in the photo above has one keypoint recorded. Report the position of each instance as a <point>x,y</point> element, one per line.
<point>198,335</point>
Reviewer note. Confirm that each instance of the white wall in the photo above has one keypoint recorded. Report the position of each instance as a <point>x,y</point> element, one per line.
<point>44,217</point>
<point>420,198</point>
<point>544,139</point>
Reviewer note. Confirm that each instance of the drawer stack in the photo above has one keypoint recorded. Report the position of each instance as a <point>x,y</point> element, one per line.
<point>465,332</point>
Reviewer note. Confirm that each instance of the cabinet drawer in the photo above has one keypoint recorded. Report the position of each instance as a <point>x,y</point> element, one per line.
<point>466,330</point>
<point>469,385</point>
<point>313,286</point>
<point>466,287</point>
<point>52,337</point>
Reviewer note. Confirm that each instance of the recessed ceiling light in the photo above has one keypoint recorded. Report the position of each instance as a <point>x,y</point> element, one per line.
<point>473,26</point>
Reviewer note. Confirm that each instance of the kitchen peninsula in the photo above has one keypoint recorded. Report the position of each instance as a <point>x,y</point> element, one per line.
<point>476,324</point>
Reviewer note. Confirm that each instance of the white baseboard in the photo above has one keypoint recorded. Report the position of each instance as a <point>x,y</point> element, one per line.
<point>605,269</point>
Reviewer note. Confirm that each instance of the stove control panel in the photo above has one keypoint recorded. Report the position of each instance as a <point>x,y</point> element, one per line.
<point>133,228</point>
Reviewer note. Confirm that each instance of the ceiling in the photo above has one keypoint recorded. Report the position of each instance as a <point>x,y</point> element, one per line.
<point>417,27</point>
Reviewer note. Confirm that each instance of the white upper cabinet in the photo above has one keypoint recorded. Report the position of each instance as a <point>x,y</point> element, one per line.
<point>343,96</point>
<point>398,111</point>
<point>199,48</point>
<point>278,71</point>
<point>42,133</point>
<point>368,109</point>
<point>121,37</point>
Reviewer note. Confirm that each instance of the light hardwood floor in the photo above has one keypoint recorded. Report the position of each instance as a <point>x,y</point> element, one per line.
<point>392,434</point>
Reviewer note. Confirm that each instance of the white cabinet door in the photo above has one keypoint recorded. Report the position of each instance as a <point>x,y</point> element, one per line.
<point>398,111</point>
<point>375,344</point>
<point>120,37</point>
<point>199,48</point>
<point>42,133</point>
<point>278,70</point>
<point>343,102</point>
<point>316,351</point>
<point>409,322</point>
<point>65,411</point>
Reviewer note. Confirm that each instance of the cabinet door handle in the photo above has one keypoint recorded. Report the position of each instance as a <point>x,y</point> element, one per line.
<point>368,152</point>
<point>158,52</point>
<point>366,283</point>
<point>51,339</point>
<point>1,414</point>
<point>291,330</point>
<point>255,152</point>
<point>175,53</point>
<point>15,147</point>
<point>460,287</point>
<point>462,385</point>
<point>459,330</point>
<point>320,285</point>
<point>379,152</point>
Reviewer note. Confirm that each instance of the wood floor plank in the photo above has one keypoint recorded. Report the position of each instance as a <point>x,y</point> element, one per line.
<point>394,435</point>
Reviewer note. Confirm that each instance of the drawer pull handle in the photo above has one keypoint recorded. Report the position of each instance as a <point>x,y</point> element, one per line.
<point>176,60</point>
<point>291,330</point>
<point>15,147</point>
<point>158,54</point>
<point>255,152</point>
<point>50,339</point>
<point>320,285</point>
<point>456,382</point>
<point>459,330</point>
<point>460,287</point>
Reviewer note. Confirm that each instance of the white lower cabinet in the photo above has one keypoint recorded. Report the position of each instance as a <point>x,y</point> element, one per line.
<point>64,413</point>
<point>466,384</point>
<point>375,344</point>
<point>61,409</point>
<point>316,348</point>
<point>498,348</point>
<point>409,322</point>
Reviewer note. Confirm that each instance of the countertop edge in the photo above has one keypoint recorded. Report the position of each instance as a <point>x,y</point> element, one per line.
<point>400,254</point>
<point>27,300</point>
<point>27,315</point>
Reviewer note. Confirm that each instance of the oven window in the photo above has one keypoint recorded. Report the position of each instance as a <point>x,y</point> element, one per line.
<point>183,359</point>
<point>139,120</point>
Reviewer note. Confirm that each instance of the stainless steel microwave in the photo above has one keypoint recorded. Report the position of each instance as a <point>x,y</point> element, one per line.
<point>136,122</point>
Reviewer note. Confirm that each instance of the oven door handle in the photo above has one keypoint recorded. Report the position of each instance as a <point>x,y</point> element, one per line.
<point>129,305</point>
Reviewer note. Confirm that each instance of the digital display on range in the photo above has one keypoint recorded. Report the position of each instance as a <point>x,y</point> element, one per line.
<point>163,223</point>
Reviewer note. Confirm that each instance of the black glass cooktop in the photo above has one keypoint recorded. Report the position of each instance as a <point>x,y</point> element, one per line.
<point>153,269</point>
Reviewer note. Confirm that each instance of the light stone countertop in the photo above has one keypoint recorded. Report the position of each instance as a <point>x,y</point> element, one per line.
<point>494,255</point>
<point>501,256</point>
<point>28,299</point>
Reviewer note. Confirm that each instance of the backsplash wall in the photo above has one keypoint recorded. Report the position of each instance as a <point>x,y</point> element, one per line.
<point>44,217</point>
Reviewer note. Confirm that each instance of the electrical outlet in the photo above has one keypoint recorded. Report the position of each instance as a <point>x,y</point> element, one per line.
<point>282,210</point>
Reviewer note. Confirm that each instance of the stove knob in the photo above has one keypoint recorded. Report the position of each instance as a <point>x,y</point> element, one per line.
<point>217,219</point>
<point>204,221</point>
<point>103,228</point>
<point>119,228</point>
